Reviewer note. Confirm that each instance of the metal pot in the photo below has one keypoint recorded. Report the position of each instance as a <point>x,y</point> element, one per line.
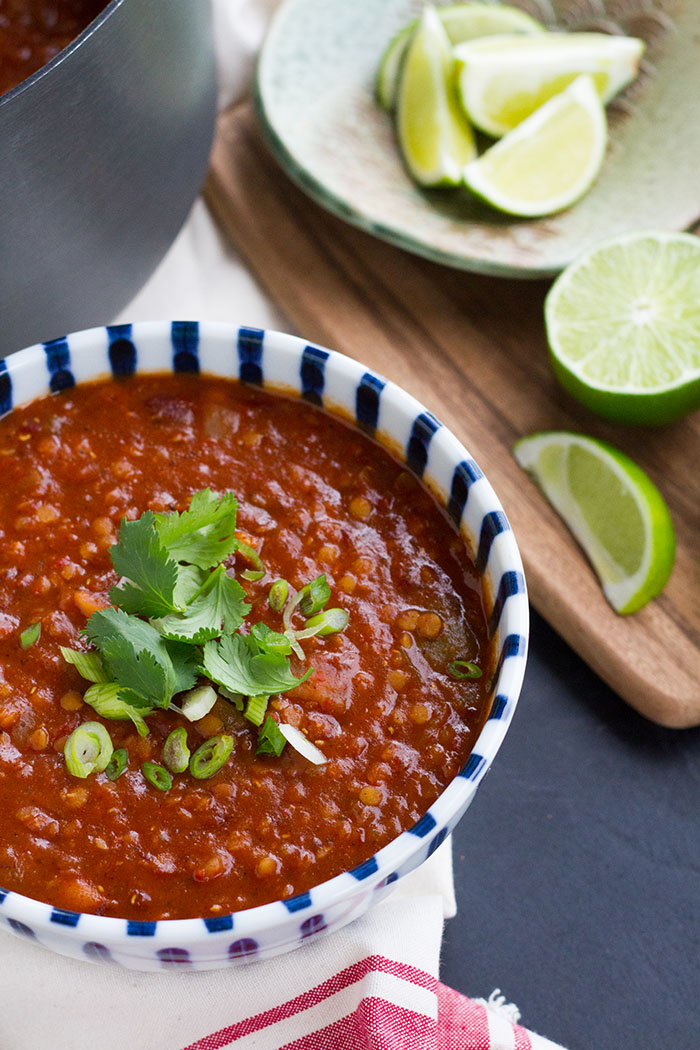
<point>102,153</point>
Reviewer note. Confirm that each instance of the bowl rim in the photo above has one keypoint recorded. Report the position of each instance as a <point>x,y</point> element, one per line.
<point>92,27</point>
<point>511,626</point>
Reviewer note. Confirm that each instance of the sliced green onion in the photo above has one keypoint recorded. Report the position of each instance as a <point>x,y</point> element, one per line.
<point>176,753</point>
<point>88,665</point>
<point>157,775</point>
<point>310,598</point>
<point>296,648</point>
<point>254,559</point>
<point>88,749</point>
<point>197,702</point>
<point>298,741</point>
<point>117,764</point>
<point>255,709</point>
<point>464,669</point>
<point>30,635</point>
<point>278,594</point>
<point>270,740</point>
<point>314,595</point>
<point>235,698</point>
<point>211,756</point>
<point>105,698</point>
<point>330,621</point>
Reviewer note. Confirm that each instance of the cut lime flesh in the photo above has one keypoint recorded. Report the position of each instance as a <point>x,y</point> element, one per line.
<point>462,22</point>
<point>623,326</point>
<point>549,160</point>
<point>436,141</point>
<point>502,80</point>
<point>612,508</point>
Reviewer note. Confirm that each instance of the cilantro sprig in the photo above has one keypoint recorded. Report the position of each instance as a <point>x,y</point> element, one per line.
<point>178,614</point>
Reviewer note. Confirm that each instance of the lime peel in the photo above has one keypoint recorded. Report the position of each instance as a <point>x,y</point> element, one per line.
<point>623,326</point>
<point>462,22</point>
<point>436,141</point>
<point>611,507</point>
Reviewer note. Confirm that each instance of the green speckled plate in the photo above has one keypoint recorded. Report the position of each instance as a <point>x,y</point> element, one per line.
<point>315,95</point>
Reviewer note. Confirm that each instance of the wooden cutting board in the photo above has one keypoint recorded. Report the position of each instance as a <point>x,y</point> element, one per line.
<point>473,349</point>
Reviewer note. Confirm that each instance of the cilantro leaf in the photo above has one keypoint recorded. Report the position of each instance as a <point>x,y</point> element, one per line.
<point>203,535</point>
<point>135,654</point>
<point>111,701</point>
<point>220,601</point>
<point>144,561</point>
<point>237,664</point>
<point>270,641</point>
<point>138,670</point>
<point>190,580</point>
<point>184,659</point>
<point>271,740</point>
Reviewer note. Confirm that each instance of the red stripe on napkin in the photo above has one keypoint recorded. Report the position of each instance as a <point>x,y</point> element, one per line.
<point>442,1020</point>
<point>351,975</point>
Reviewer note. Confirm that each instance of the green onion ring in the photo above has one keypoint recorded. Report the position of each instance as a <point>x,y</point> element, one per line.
<point>117,764</point>
<point>157,775</point>
<point>176,753</point>
<point>211,756</point>
<point>464,669</point>
<point>88,750</point>
<point>278,594</point>
<point>254,559</point>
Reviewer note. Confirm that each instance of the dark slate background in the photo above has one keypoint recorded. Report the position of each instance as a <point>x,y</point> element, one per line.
<point>578,868</point>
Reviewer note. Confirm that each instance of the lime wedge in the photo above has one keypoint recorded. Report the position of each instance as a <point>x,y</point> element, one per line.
<point>503,79</point>
<point>612,508</point>
<point>436,141</point>
<point>462,22</point>
<point>549,160</point>
<point>623,325</point>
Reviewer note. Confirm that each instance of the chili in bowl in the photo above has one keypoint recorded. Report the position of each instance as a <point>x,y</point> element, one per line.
<point>263,626</point>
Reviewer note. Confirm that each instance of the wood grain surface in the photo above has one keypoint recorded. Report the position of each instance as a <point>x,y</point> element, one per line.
<point>473,349</point>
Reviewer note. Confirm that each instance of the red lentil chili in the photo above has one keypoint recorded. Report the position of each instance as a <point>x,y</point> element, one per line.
<point>32,32</point>
<point>315,496</point>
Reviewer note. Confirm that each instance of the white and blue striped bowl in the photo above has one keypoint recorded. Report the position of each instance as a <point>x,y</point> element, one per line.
<point>345,388</point>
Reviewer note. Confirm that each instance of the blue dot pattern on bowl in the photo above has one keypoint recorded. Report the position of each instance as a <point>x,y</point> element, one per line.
<point>315,924</point>
<point>250,346</point>
<point>311,373</point>
<point>127,349</point>
<point>424,826</point>
<point>437,841</point>
<point>424,426</point>
<point>65,918</point>
<point>219,923</point>
<point>298,903</point>
<point>122,352</point>
<point>174,956</point>
<point>5,390</point>
<point>58,364</point>
<point>97,952</point>
<point>137,928</point>
<point>364,870</point>
<point>246,946</point>
<point>21,928</point>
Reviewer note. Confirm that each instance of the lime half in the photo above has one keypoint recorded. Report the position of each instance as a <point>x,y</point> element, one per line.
<point>503,79</point>
<point>623,324</point>
<point>436,140</point>
<point>612,508</point>
<point>462,22</point>
<point>549,160</point>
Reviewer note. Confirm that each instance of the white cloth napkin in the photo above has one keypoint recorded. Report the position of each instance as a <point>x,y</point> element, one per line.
<point>52,1003</point>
